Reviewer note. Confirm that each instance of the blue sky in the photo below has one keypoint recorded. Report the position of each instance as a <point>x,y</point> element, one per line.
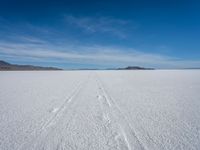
<point>101,34</point>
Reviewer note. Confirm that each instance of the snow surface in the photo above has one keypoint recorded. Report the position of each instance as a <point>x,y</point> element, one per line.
<point>94,110</point>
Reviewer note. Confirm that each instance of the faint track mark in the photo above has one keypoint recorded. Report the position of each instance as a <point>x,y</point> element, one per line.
<point>57,114</point>
<point>125,127</point>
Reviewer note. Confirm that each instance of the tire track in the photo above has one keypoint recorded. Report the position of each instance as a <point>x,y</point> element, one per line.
<point>42,142</point>
<point>130,136</point>
<point>59,112</point>
<point>110,124</point>
<point>56,116</point>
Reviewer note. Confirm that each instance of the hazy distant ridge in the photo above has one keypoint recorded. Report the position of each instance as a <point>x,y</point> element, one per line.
<point>7,66</point>
<point>135,68</point>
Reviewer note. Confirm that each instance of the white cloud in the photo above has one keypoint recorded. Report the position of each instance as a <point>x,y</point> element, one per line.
<point>94,54</point>
<point>108,25</point>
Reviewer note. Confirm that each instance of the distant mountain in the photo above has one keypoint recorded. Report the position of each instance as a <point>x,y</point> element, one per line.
<point>135,68</point>
<point>3,63</point>
<point>7,66</point>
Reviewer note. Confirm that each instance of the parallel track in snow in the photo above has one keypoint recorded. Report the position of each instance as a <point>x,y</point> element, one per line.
<point>128,133</point>
<point>56,116</point>
<point>127,137</point>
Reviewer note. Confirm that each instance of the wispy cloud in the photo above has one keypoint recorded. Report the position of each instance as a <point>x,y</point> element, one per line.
<point>107,25</point>
<point>33,44</point>
<point>107,56</point>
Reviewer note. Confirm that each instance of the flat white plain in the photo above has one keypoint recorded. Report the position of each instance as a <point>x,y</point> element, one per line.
<point>94,110</point>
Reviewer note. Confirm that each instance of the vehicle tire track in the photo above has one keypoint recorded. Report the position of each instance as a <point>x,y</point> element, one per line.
<point>42,142</point>
<point>129,134</point>
<point>107,117</point>
<point>56,116</point>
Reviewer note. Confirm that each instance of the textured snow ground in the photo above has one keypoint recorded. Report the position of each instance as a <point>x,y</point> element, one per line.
<point>149,110</point>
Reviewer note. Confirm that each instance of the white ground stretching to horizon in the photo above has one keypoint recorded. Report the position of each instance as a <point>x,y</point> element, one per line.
<point>100,110</point>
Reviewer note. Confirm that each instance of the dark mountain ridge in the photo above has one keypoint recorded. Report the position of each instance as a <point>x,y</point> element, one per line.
<point>135,68</point>
<point>7,66</point>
